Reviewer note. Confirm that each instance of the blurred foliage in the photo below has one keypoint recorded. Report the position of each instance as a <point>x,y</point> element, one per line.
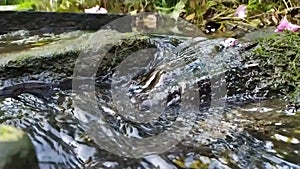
<point>220,13</point>
<point>11,2</point>
<point>28,5</point>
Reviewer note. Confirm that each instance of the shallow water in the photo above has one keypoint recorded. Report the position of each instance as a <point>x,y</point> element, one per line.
<point>258,134</point>
<point>25,40</point>
<point>247,137</point>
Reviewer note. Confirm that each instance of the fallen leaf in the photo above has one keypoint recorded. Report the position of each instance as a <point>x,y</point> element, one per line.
<point>96,10</point>
<point>190,17</point>
<point>133,13</point>
<point>241,12</point>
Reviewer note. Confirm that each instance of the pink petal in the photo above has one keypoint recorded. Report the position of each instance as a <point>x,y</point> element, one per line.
<point>286,25</point>
<point>293,27</point>
<point>229,42</point>
<point>241,12</point>
<point>282,25</point>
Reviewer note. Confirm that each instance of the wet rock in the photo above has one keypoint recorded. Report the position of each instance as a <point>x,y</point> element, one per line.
<point>17,151</point>
<point>277,57</point>
<point>51,21</point>
<point>53,65</point>
<point>60,57</point>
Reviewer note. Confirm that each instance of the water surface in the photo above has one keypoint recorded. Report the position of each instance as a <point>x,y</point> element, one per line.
<point>254,134</point>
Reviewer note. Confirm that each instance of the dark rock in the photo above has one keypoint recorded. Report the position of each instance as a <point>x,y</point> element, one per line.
<point>50,22</point>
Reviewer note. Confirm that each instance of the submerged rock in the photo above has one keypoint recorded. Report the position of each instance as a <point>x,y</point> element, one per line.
<point>17,151</point>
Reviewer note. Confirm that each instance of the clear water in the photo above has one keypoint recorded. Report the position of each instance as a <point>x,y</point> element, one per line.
<point>259,134</point>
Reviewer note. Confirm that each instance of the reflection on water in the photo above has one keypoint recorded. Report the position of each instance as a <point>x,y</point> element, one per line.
<point>61,142</point>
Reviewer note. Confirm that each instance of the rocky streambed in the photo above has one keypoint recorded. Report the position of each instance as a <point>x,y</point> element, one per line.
<point>250,124</point>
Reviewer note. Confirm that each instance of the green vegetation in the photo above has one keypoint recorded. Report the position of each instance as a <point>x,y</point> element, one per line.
<point>279,56</point>
<point>9,133</point>
<point>28,5</point>
<point>200,12</point>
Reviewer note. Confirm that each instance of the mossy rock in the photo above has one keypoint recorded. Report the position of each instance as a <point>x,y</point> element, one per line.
<point>17,151</point>
<point>279,58</point>
<point>61,57</point>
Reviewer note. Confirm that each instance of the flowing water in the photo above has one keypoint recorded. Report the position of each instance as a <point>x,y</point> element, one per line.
<point>232,132</point>
<point>24,40</point>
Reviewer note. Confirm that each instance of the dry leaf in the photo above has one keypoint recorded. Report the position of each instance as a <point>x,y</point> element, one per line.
<point>190,17</point>
<point>133,13</point>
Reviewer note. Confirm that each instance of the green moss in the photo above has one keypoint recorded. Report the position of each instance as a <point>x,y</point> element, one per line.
<point>28,5</point>
<point>279,56</point>
<point>9,133</point>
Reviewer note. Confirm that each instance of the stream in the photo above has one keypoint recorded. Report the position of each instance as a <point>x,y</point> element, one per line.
<point>219,130</point>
